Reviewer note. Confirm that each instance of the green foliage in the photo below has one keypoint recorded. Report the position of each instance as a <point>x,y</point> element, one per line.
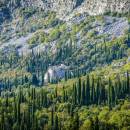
<point>37,38</point>
<point>54,34</point>
<point>37,108</point>
<point>91,34</point>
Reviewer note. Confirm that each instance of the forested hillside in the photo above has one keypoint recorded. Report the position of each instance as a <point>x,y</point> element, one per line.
<point>64,68</point>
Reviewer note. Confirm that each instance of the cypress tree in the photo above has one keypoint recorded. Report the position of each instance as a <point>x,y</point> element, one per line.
<point>113,96</point>
<point>74,100</point>
<point>79,90</point>
<point>42,78</point>
<point>55,92</point>
<point>56,127</point>
<point>2,120</point>
<point>64,94</point>
<point>93,91</point>
<point>66,76</point>
<point>97,91</point>
<point>128,83</point>
<point>52,119</point>
<point>6,102</point>
<point>103,94</point>
<point>96,125</point>
<point>109,94</point>
<point>26,79</point>
<point>45,101</point>
<point>18,112</point>
<point>34,80</point>
<point>87,91</point>
<point>83,94</point>
<point>16,81</point>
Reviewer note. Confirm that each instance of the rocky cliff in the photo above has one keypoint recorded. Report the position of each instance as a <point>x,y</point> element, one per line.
<point>95,7</point>
<point>63,7</point>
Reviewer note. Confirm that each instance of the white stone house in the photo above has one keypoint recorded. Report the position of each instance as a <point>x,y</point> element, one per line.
<point>55,73</point>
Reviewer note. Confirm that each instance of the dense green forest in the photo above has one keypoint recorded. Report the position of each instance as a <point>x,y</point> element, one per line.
<point>78,102</point>
<point>89,103</point>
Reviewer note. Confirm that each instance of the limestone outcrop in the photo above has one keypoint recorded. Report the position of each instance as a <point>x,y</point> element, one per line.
<point>64,7</point>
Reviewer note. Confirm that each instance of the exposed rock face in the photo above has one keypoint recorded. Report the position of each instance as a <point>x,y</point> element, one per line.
<point>55,73</point>
<point>95,7</point>
<point>63,7</point>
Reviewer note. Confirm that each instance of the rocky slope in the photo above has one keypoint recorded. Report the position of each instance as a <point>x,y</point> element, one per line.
<point>63,7</point>
<point>53,26</point>
<point>95,7</point>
